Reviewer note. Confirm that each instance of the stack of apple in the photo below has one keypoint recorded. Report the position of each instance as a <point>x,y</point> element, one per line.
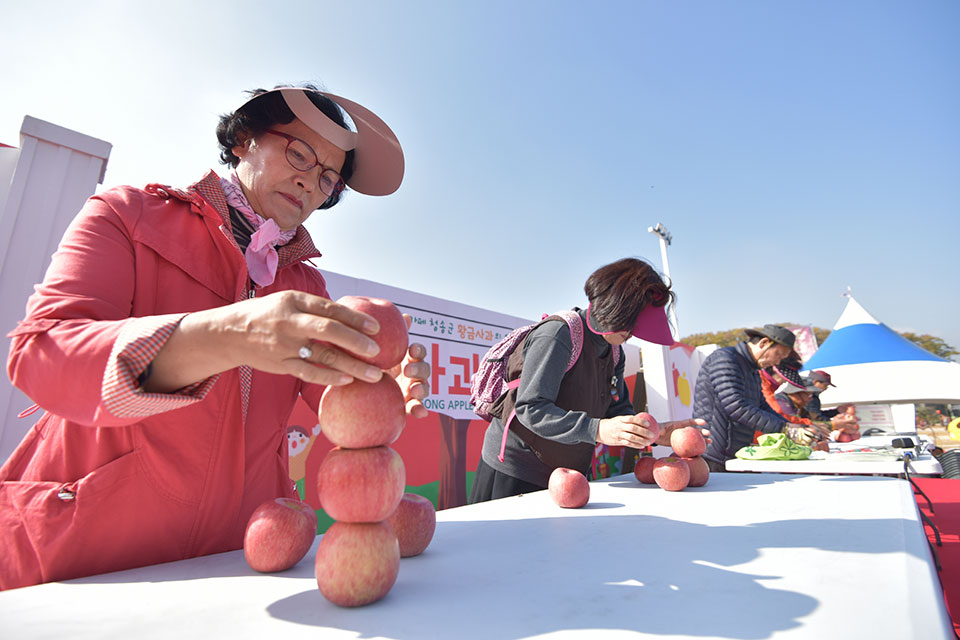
<point>361,480</point>
<point>686,468</point>
<point>360,484</point>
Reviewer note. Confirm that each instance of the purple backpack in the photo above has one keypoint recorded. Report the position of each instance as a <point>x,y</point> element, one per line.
<point>489,381</point>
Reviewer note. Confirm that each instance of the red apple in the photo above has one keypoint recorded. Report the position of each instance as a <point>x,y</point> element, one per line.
<point>279,534</point>
<point>843,436</point>
<point>392,337</point>
<point>414,522</point>
<point>688,442</point>
<point>699,471</point>
<point>652,423</point>
<point>357,563</point>
<point>671,474</point>
<point>643,470</point>
<point>361,485</point>
<point>568,488</point>
<point>363,414</point>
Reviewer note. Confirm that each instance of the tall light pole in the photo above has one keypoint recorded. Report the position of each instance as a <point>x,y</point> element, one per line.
<point>665,239</point>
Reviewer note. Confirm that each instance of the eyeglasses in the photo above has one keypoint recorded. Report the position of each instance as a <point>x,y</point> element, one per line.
<point>302,157</point>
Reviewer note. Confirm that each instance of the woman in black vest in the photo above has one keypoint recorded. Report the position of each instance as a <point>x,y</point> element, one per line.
<point>559,413</point>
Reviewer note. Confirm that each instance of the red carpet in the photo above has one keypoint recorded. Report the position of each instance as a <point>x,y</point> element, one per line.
<point>945,496</point>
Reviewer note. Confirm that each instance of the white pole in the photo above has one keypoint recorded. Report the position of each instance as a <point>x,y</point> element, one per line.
<point>665,239</point>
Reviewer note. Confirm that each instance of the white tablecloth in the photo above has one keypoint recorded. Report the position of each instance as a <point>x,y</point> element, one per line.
<point>848,458</point>
<point>747,556</point>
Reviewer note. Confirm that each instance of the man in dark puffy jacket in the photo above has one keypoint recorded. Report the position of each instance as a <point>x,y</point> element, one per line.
<point>728,396</point>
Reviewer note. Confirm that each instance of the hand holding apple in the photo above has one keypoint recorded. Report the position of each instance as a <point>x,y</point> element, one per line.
<point>667,428</point>
<point>687,442</point>
<point>636,431</point>
<point>392,336</point>
<point>412,375</point>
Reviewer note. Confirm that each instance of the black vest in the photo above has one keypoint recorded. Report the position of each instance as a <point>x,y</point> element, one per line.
<point>585,387</point>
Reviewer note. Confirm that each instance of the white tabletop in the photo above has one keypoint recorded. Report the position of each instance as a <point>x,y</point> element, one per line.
<point>747,556</point>
<point>869,455</point>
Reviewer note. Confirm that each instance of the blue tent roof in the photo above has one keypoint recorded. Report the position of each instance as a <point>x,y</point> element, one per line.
<point>868,342</point>
<point>871,363</point>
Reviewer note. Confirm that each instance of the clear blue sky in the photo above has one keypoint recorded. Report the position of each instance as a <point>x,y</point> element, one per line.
<point>792,147</point>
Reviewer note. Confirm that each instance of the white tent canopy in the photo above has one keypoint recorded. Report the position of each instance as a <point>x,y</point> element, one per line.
<point>870,363</point>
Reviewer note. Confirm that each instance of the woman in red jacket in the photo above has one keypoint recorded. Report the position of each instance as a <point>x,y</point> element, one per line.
<point>172,335</point>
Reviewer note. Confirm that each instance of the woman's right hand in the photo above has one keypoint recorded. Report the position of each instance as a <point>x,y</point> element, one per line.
<point>627,431</point>
<point>267,334</point>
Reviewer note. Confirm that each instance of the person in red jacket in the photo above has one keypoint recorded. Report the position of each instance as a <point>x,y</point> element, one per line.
<point>172,335</point>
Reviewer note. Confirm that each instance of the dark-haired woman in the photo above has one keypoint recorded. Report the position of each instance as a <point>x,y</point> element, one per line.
<point>172,335</point>
<point>556,416</point>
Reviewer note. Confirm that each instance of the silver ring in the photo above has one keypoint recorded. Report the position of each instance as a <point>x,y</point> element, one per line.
<point>305,352</point>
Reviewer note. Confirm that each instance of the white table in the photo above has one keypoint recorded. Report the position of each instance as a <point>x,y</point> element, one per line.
<point>747,556</point>
<point>846,458</point>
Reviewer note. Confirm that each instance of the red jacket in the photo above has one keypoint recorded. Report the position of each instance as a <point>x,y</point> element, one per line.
<point>111,478</point>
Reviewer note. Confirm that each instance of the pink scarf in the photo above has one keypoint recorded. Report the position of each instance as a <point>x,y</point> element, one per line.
<point>261,254</point>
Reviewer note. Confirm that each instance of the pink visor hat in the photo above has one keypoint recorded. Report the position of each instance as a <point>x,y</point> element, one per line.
<point>377,156</point>
<point>651,325</point>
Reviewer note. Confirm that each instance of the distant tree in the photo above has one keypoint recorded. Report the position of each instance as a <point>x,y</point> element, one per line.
<point>733,336</point>
<point>821,334</point>
<point>720,338</point>
<point>933,344</point>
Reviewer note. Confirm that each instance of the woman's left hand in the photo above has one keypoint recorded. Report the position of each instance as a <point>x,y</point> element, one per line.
<point>412,375</point>
<point>666,428</point>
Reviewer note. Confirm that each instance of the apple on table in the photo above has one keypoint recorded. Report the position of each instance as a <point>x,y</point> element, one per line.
<point>643,469</point>
<point>568,488</point>
<point>357,563</point>
<point>671,473</point>
<point>414,521</point>
<point>699,471</point>
<point>278,534</point>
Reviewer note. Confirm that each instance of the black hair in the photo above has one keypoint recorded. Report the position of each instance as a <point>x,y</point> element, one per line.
<point>256,116</point>
<point>619,291</point>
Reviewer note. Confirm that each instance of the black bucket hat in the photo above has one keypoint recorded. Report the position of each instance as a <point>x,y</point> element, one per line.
<point>774,332</point>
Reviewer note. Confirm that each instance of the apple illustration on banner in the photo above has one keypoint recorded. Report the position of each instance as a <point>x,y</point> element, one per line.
<point>361,485</point>
<point>278,534</point>
<point>392,337</point>
<point>568,488</point>
<point>357,563</point>
<point>363,414</point>
<point>414,522</point>
<point>652,423</point>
